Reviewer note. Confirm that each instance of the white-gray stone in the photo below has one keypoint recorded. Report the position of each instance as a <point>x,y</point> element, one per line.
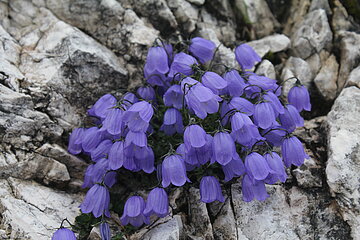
<point>354,78</point>
<point>349,56</point>
<point>273,43</point>
<point>343,165</point>
<point>185,13</point>
<point>326,79</point>
<point>170,230</point>
<point>267,69</point>
<point>197,2</point>
<point>224,225</point>
<point>309,37</point>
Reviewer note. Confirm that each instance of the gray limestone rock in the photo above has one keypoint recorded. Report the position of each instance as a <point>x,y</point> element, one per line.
<point>343,165</point>
<point>273,43</point>
<point>309,37</point>
<point>354,78</point>
<point>267,69</point>
<point>326,79</point>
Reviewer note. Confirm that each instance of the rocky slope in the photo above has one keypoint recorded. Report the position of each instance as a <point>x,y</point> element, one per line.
<point>58,57</point>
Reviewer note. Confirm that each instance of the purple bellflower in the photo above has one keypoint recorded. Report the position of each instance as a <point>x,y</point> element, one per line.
<point>246,56</point>
<point>242,105</point>
<point>182,63</point>
<point>101,150</point>
<point>194,136</point>
<point>252,188</point>
<point>291,118</point>
<point>91,139</point>
<point>156,66</point>
<point>63,234</point>
<point>173,171</point>
<point>199,98</point>
<point>201,155</point>
<point>274,135</point>
<point>210,190</point>
<point>235,83</point>
<point>116,155</point>
<point>214,82</point>
<point>293,152</point>
<point>299,97</point>
<point>144,159</point>
<point>147,93</point>
<point>173,122</point>
<point>256,166</point>
<point>75,141</point>
<point>235,168</point>
<point>138,116</point>
<point>105,231</point>
<point>136,138</point>
<point>173,97</point>
<point>113,123</point>
<point>275,102</point>
<point>277,169</point>
<point>244,131</point>
<point>223,147</point>
<point>264,115</point>
<point>133,212</point>
<point>102,105</point>
<point>97,201</point>
<point>202,49</point>
<point>128,100</point>
<point>157,203</point>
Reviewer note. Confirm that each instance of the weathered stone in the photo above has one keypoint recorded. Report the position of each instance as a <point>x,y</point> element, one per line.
<point>343,165</point>
<point>273,43</point>
<point>258,15</point>
<point>170,230</point>
<point>267,69</point>
<point>340,20</point>
<point>310,174</point>
<point>32,211</point>
<point>297,10</point>
<point>185,13</point>
<point>349,57</point>
<point>326,79</point>
<point>309,37</point>
<point>197,2</point>
<point>224,225</point>
<point>200,220</point>
<point>354,78</point>
<point>320,4</point>
<point>296,67</point>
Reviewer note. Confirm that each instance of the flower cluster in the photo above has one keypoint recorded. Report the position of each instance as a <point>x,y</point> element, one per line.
<point>228,123</point>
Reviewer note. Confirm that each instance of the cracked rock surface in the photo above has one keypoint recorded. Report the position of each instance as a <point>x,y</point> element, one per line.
<point>58,56</point>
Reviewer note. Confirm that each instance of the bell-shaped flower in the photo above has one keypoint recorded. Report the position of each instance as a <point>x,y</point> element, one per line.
<point>173,97</point>
<point>264,115</point>
<point>276,166</point>
<point>239,120</point>
<point>144,159</point>
<point>257,84</point>
<point>133,212</point>
<point>293,151</point>
<point>91,139</point>
<point>274,135</point>
<point>291,118</point>
<point>252,188</point>
<point>199,98</point>
<point>247,136</point>
<point>173,171</point>
<point>102,105</point>
<point>97,201</point>
<point>223,147</point>
<point>214,82</point>
<point>63,234</point>
<point>210,190</point>
<point>299,97</point>
<point>157,203</point>
<point>116,155</point>
<point>96,173</point>
<point>101,150</point>
<point>138,116</point>
<point>105,231</point>
<point>256,166</point>
<point>202,49</point>
<point>275,102</point>
<point>157,60</point>
<point>194,136</point>
<point>246,56</point>
<point>75,141</point>
<point>235,83</point>
<point>173,122</point>
<point>128,100</point>
<point>235,168</point>
<point>147,93</point>
<point>242,105</point>
<point>136,138</point>
<point>182,63</point>
<point>113,123</point>
<point>201,155</point>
